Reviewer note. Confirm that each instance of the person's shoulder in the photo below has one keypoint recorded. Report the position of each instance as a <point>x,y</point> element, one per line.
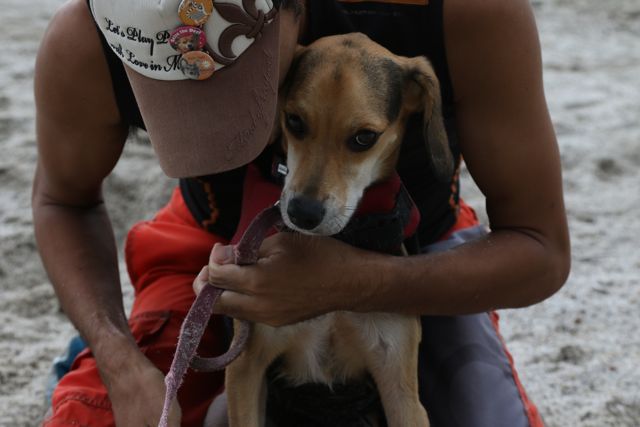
<point>78,126</point>
<point>72,75</point>
<point>491,41</point>
<point>471,17</point>
<point>483,11</point>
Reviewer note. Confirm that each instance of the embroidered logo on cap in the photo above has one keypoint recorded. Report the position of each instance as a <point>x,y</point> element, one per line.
<point>144,33</point>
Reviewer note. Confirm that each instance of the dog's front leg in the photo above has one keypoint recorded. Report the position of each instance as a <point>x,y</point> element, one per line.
<point>394,367</point>
<point>246,385</point>
<point>246,391</point>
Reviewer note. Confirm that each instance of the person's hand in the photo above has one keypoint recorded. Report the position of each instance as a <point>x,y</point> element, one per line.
<point>297,277</point>
<point>137,394</point>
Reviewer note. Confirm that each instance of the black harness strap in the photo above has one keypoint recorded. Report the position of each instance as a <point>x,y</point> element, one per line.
<point>381,232</point>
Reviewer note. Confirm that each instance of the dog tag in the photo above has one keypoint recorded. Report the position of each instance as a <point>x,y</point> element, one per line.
<point>197,65</point>
<point>185,39</point>
<point>195,12</point>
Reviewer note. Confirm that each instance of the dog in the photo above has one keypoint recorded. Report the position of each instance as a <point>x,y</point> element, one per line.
<point>187,43</point>
<point>343,111</point>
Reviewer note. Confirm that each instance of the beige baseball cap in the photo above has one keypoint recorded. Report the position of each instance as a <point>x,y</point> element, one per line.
<point>199,127</point>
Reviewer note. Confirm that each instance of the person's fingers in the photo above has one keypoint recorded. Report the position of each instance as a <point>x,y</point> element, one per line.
<point>222,272</point>
<point>221,254</point>
<point>236,305</point>
<point>230,277</point>
<point>201,279</point>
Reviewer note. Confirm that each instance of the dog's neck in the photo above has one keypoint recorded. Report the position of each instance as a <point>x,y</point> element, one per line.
<point>385,217</point>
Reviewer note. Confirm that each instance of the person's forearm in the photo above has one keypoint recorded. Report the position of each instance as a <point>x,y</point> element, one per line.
<point>79,253</point>
<point>506,269</point>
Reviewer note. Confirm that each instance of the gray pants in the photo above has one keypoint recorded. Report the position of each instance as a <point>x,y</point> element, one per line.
<point>466,378</point>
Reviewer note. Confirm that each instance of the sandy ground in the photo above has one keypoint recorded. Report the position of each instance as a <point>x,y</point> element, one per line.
<point>577,352</point>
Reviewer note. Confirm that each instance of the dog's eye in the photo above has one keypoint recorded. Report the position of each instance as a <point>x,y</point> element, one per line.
<point>363,140</point>
<point>295,125</point>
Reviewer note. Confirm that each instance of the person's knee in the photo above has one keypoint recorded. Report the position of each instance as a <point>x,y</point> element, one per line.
<point>80,407</point>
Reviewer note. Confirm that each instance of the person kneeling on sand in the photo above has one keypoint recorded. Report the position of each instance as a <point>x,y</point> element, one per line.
<point>105,66</point>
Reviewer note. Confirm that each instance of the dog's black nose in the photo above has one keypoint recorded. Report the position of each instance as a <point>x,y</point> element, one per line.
<point>305,212</point>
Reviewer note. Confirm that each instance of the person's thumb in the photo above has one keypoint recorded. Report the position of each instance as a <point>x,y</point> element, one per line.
<point>222,254</point>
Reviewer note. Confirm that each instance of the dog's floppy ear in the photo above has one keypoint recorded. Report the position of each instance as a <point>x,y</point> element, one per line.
<point>276,130</point>
<point>293,72</point>
<point>283,93</point>
<point>422,93</point>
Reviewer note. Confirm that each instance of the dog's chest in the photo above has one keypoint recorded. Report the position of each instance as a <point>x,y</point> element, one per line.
<point>333,348</point>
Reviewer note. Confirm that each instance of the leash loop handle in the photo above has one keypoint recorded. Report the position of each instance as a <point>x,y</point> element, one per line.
<point>211,364</point>
<point>194,324</point>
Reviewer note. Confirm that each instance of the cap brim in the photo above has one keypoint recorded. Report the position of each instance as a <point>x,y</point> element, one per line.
<point>203,127</point>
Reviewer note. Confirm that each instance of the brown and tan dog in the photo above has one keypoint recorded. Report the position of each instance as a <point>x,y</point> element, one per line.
<point>344,109</point>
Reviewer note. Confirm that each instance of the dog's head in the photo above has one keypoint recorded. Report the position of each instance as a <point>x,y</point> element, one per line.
<point>344,107</point>
<point>187,43</point>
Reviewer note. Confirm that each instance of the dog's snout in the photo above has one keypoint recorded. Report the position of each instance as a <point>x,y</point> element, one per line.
<point>305,212</point>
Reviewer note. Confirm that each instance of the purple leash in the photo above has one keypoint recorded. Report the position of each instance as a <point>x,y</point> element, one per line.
<point>245,252</point>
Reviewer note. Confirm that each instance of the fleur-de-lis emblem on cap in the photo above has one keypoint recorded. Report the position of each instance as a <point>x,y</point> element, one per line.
<point>246,21</point>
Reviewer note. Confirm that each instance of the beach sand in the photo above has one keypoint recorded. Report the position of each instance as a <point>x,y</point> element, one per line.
<point>577,353</point>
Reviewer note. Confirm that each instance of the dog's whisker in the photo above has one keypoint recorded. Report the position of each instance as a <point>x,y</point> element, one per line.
<point>340,222</point>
